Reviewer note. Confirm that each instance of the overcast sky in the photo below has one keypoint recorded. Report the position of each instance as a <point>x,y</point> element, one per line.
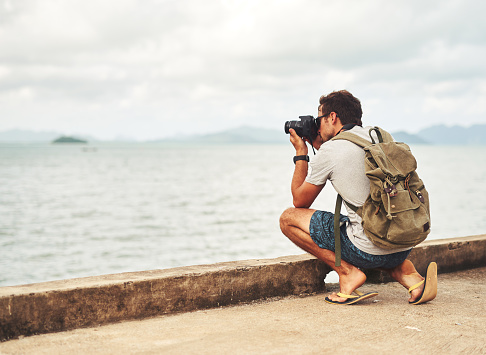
<point>150,69</point>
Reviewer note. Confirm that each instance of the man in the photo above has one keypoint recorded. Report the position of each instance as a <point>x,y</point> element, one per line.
<point>342,162</point>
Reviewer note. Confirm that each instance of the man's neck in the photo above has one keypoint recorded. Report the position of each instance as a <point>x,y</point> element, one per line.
<point>338,129</point>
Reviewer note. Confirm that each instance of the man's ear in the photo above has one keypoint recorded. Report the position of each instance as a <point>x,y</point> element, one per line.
<point>334,118</point>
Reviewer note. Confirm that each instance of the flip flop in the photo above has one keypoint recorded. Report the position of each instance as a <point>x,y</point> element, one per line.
<point>430,285</point>
<point>350,299</point>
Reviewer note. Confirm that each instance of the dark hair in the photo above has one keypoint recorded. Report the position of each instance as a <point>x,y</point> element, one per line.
<point>344,104</point>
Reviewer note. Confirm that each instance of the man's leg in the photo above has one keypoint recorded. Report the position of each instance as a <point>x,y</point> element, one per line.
<point>407,275</point>
<point>294,223</point>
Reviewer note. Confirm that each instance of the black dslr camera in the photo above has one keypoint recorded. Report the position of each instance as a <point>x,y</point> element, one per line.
<point>305,128</point>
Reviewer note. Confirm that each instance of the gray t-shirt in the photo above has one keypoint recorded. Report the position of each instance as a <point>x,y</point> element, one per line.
<point>342,162</point>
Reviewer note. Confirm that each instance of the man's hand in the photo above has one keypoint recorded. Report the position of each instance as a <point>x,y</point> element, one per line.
<point>303,193</point>
<point>298,143</point>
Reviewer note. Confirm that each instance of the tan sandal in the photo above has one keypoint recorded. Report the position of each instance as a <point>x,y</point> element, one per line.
<point>350,299</point>
<point>430,285</point>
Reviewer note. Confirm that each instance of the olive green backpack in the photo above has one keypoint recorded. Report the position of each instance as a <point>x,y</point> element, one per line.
<point>396,213</point>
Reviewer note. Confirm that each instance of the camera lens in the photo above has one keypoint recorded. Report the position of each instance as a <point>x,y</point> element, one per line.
<point>287,127</point>
<point>296,125</point>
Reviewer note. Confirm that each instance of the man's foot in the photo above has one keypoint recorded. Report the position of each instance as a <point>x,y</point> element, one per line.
<point>408,277</point>
<point>348,282</point>
<point>411,281</point>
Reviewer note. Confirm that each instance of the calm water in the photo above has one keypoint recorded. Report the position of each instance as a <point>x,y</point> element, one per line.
<point>66,212</point>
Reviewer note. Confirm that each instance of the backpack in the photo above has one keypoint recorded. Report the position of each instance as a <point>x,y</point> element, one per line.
<point>396,213</point>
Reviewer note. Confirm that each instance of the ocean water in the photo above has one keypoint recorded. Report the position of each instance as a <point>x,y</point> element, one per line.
<point>73,211</point>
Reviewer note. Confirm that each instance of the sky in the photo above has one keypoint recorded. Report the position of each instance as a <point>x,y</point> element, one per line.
<point>165,68</point>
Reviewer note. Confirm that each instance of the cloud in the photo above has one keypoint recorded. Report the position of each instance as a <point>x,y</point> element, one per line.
<point>160,68</point>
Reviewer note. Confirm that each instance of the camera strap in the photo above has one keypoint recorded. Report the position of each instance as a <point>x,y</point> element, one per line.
<point>312,145</point>
<point>347,127</point>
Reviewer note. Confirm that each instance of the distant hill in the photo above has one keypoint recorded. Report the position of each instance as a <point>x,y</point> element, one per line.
<point>409,138</point>
<point>20,135</point>
<point>242,135</point>
<point>455,135</point>
<point>440,135</point>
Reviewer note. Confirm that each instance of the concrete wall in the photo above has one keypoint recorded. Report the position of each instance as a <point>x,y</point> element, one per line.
<point>68,304</point>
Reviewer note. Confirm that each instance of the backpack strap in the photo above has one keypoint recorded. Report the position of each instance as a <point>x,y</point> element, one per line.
<point>353,138</point>
<point>337,227</point>
<point>337,230</point>
<point>382,136</point>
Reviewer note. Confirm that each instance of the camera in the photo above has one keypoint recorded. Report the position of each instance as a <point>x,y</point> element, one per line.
<point>305,128</point>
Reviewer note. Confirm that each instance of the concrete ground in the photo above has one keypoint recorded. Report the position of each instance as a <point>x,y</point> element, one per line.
<point>455,322</point>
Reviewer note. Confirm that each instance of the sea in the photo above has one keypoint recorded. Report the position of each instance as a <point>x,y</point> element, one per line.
<point>70,211</point>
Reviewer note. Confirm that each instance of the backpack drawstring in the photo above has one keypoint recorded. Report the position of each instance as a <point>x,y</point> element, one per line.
<point>389,215</point>
<point>407,186</point>
<point>391,191</point>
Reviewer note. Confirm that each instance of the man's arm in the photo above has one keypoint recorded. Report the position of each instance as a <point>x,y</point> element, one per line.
<point>303,193</point>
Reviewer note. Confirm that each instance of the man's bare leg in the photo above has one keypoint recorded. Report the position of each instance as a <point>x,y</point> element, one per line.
<point>294,223</point>
<point>407,275</point>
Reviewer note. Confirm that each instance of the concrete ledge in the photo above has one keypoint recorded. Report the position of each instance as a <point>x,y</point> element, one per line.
<point>68,304</point>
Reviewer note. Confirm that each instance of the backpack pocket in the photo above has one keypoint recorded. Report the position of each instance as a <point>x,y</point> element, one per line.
<point>400,221</point>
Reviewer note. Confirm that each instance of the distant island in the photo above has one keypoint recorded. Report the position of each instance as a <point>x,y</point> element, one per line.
<point>66,139</point>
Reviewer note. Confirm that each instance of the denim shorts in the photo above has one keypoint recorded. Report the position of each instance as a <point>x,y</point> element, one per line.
<point>322,233</point>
